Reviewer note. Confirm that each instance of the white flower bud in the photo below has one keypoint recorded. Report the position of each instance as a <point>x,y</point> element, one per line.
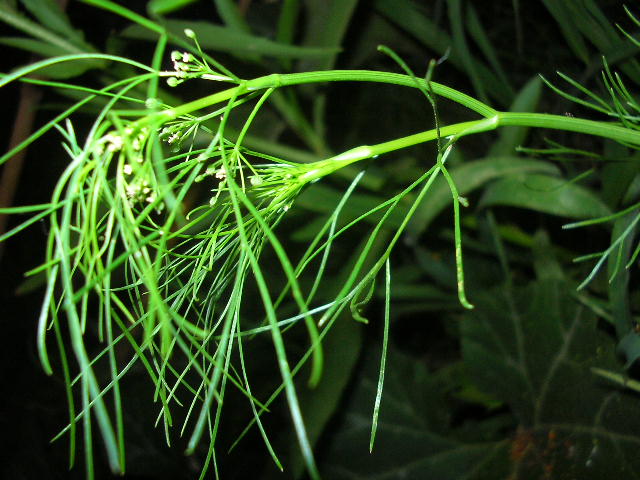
<point>256,180</point>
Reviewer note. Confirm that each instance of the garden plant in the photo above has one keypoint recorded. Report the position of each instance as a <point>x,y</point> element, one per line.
<point>333,239</point>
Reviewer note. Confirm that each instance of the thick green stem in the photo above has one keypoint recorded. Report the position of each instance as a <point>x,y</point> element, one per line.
<point>570,124</point>
<point>457,130</point>
<point>364,152</point>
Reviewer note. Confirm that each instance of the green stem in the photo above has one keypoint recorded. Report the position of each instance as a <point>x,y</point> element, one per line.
<point>364,152</point>
<point>283,80</point>
<point>457,130</point>
<point>492,118</point>
<point>570,124</point>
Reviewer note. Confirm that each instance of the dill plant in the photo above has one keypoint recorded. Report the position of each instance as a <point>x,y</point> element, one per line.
<point>169,280</point>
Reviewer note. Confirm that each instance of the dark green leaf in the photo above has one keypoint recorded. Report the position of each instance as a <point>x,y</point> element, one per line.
<point>545,194</point>
<point>481,37</point>
<point>34,46</point>
<point>468,177</point>
<point>66,70</point>
<point>512,137</point>
<point>50,15</point>
<point>412,18</point>
<point>342,349</point>
<point>223,39</point>
<point>161,7</point>
<point>619,285</point>
<point>569,28</point>
<point>461,47</point>
<point>617,176</point>
<point>323,198</point>
<point>231,15</point>
<point>26,25</point>
<point>327,23</point>
<point>411,442</point>
<point>534,349</point>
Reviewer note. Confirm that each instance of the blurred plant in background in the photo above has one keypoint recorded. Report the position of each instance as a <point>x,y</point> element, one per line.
<point>270,241</point>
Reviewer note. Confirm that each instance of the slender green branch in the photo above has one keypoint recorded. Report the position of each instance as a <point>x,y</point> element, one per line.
<point>492,118</point>
<point>283,80</point>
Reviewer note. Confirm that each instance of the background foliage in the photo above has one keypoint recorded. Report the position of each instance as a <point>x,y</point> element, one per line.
<point>534,383</point>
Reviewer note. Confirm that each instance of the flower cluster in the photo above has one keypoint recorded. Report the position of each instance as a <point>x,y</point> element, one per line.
<point>139,190</point>
<point>186,66</point>
<point>272,186</point>
<point>175,133</point>
<point>137,177</point>
<point>114,142</point>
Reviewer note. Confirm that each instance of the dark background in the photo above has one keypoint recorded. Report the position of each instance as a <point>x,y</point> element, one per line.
<point>33,405</point>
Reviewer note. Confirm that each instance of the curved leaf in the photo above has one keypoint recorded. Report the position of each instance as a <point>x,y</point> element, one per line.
<point>545,194</point>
